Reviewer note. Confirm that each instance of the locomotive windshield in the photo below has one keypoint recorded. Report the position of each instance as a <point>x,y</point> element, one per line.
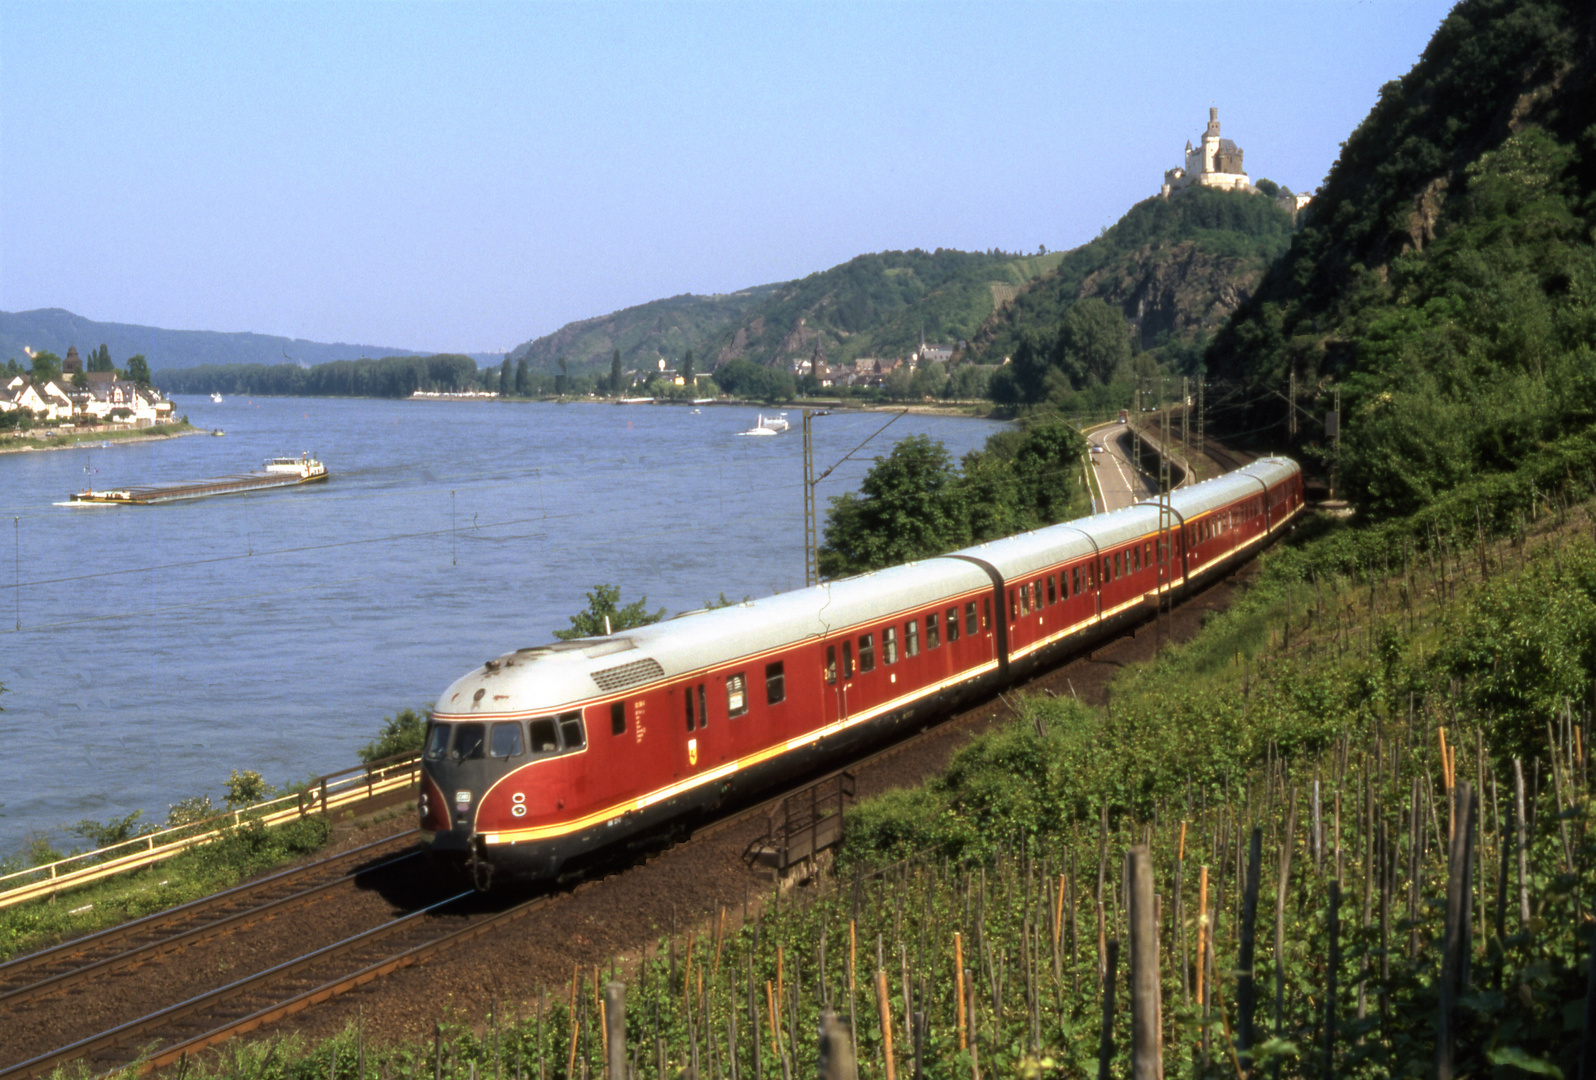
<point>469,741</point>
<point>507,739</point>
<point>438,741</point>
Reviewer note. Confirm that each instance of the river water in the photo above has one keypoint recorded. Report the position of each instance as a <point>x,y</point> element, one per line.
<point>148,651</point>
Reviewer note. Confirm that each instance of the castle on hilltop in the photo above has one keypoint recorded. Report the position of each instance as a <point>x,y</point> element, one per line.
<point>1216,163</point>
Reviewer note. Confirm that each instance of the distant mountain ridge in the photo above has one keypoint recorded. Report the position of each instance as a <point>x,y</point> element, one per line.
<point>1176,268</point>
<point>643,333</point>
<point>55,330</point>
<point>879,305</point>
<point>872,305</point>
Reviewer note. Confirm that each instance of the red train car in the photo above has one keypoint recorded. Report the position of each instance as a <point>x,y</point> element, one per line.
<point>552,752</point>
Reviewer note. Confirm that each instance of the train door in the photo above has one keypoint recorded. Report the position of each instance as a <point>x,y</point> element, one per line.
<point>839,677</point>
<point>695,711</point>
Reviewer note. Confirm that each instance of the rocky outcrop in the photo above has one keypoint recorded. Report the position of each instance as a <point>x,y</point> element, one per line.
<point>1174,290</point>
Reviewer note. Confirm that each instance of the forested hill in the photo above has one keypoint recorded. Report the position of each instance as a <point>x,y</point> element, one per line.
<point>1444,278</point>
<point>55,330</point>
<point>643,334</point>
<point>1174,268</point>
<point>872,305</point>
<point>877,305</point>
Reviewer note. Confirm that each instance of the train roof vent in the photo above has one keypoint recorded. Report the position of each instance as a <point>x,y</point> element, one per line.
<point>619,678</point>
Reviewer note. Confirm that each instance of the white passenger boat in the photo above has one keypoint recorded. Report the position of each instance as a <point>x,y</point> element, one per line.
<point>773,425</point>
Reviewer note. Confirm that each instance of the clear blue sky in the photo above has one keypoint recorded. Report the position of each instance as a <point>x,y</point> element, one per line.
<point>458,176</point>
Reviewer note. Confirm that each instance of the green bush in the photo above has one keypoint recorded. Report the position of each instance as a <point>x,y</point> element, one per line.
<point>401,733</point>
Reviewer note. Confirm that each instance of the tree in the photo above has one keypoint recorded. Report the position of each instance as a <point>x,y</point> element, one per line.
<point>687,368</point>
<point>741,378</point>
<point>401,733</point>
<point>505,378</point>
<point>138,369</point>
<point>615,373</point>
<point>521,388</point>
<point>46,366</point>
<point>561,379</point>
<point>1095,339</point>
<point>100,359</point>
<point>603,603</point>
<point>909,506</point>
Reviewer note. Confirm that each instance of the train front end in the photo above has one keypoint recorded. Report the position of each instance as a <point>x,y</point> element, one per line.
<point>498,771</point>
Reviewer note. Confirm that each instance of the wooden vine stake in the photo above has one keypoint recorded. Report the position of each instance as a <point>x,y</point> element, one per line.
<point>886,1023</point>
<point>1146,1004</point>
<point>1455,944</point>
<point>615,1029</point>
<point>958,978</point>
<point>836,1052</point>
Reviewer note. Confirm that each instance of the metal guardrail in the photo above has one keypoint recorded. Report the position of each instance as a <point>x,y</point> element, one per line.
<point>321,795</point>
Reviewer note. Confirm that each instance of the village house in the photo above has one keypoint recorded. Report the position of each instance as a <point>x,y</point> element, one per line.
<point>85,397</point>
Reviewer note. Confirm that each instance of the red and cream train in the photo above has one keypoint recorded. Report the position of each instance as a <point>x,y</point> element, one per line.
<point>551,752</point>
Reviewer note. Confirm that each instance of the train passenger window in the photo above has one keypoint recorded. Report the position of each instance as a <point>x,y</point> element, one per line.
<point>867,652</point>
<point>1025,600</point>
<point>469,740</point>
<point>703,708</point>
<point>692,716</point>
<point>1108,570</point>
<point>617,718</point>
<point>889,644</point>
<point>775,684</point>
<point>545,738</point>
<point>953,624</point>
<point>911,638</point>
<point>736,694</point>
<point>1052,590</point>
<point>1136,557</point>
<point>971,627</point>
<point>438,741</point>
<point>847,659</point>
<point>831,663</point>
<point>933,633</point>
<point>1036,595</point>
<point>506,739</point>
<point>1075,581</point>
<point>572,733</point>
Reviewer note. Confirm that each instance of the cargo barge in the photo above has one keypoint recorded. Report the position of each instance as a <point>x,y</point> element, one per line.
<point>278,472</point>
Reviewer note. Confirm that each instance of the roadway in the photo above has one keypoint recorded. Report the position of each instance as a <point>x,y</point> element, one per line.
<point>1117,478</point>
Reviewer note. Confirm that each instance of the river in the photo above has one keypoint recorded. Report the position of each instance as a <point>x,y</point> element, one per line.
<point>148,651</point>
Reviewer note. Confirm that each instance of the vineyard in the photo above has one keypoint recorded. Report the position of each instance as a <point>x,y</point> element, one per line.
<point>1341,833</point>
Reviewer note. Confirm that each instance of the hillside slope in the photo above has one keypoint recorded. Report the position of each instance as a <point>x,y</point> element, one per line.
<point>1445,279</point>
<point>878,305</point>
<point>644,333</point>
<point>55,330</point>
<point>1173,267</point>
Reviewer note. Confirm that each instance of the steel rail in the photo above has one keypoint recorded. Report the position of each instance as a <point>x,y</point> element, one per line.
<point>227,924</point>
<point>415,953</point>
<point>106,1039</point>
<point>278,1010</point>
<point>112,936</point>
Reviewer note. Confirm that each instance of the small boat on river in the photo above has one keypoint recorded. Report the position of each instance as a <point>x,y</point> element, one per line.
<point>216,399</point>
<point>772,425</point>
<point>278,472</point>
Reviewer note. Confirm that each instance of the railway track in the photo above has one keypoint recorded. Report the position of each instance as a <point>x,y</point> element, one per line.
<point>249,1003</point>
<point>207,1019</point>
<point>62,966</point>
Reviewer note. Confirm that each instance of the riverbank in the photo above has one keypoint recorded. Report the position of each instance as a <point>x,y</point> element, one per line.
<point>17,443</point>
